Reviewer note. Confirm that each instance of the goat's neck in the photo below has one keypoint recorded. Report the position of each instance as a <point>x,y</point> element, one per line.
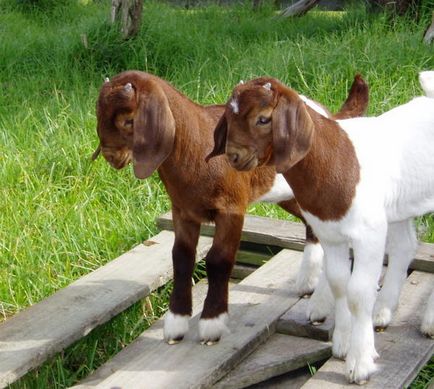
<point>193,137</point>
<point>324,182</point>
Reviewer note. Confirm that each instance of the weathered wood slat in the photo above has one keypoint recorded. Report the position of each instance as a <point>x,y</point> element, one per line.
<point>279,355</point>
<point>403,349</point>
<point>255,305</point>
<point>295,322</point>
<point>33,335</point>
<point>291,235</point>
<point>257,229</point>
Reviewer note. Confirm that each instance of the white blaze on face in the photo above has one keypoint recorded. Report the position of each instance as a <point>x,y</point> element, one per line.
<point>234,106</point>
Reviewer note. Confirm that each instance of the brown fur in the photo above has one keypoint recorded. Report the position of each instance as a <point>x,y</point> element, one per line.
<point>156,127</point>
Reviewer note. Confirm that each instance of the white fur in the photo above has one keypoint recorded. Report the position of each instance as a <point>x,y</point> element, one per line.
<point>280,191</point>
<point>314,106</point>
<point>322,302</point>
<point>234,105</point>
<point>211,330</point>
<point>175,326</point>
<point>310,269</point>
<point>395,153</point>
<point>428,319</point>
<point>427,82</point>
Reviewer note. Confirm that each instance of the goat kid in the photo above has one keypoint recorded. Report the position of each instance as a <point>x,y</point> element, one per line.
<point>143,119</point>
<point>358,181</point>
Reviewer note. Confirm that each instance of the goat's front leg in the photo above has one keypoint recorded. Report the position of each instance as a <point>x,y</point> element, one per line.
<point>337,267</point>
<point>219,264</point>
<point>401,247</point>
<point>312,263</point>
<point>183,256</point>
<point>361,296</point>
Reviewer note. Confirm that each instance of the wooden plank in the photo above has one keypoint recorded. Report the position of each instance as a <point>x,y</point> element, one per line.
<point>33,335</point>
<point>291,235</point>
<point>403,349</point>
<point>255,305</point>
<point>279,355</point>
<point>257,229</point>
<point>295,322</point>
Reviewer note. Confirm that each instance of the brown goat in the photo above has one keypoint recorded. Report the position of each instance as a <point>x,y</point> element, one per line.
<point>143,119</point>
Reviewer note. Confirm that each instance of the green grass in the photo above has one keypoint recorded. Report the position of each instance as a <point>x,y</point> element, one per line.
<point>62,216</point>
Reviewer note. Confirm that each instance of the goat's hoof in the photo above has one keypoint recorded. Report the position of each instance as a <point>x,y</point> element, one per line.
<point>427,327</point>
<point>211,330</point>
<point>359,370</point>
<point>340,344</point>
<point>175,341</point>
<point>210,342</point>
<point>381,318</point>
<point>175,327</point>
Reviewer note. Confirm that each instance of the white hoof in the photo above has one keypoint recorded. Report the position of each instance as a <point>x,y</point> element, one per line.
<point>211,330</point>
<point>321,304</point>
<point>382,317</point>
<point>359,370</point>
<point>427,326</point>
<point>175,327</point>
<point>310,269</point>
<point>341,344</point>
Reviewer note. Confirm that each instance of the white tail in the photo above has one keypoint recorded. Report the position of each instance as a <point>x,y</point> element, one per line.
<point>426,80</point>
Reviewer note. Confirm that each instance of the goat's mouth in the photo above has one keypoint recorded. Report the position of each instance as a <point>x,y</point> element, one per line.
<point>246,164</point>
<point>120,163</point>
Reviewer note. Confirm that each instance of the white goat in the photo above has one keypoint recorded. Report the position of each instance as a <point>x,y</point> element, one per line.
<point>359,182</point>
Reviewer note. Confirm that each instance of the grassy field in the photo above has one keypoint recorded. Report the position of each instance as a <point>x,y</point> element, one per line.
<point>62,216</point>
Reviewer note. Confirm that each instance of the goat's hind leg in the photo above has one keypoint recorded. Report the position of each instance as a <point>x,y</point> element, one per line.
<point>219,263</point>
<point>401,246</point>
<point>183,256</point>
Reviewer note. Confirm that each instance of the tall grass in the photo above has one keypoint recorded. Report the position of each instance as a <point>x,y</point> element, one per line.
<point>62,216</point>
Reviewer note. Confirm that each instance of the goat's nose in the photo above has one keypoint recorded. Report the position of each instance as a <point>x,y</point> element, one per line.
<point>233,157</point>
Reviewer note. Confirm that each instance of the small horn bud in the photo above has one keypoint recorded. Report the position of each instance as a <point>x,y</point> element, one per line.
<point>267,86</point>
<point>128,87</point>
<point>106,79</point>
<point>241,82</point>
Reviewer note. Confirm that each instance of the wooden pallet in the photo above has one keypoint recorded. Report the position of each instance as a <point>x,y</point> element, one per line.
<point>269,334</point>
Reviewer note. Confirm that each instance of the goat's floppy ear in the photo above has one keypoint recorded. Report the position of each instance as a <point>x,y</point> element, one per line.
<point>292,133</point>
<point>220,136</point>
<point>154,132</point>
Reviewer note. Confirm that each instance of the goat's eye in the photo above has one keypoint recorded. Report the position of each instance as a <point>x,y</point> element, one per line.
<point>128,123</point>
<point>263,120</point>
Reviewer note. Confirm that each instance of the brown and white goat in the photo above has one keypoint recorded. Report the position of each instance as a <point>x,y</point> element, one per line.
<point>358,182</point>
<point>143,119</point>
